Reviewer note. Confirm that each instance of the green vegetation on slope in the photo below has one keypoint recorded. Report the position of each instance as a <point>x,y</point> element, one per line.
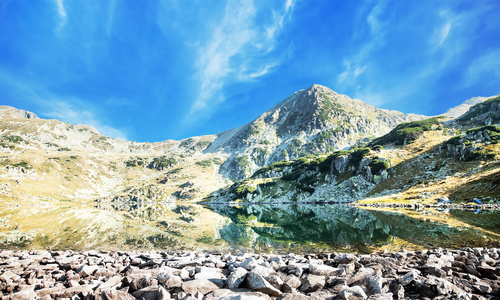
<point>407,132</point>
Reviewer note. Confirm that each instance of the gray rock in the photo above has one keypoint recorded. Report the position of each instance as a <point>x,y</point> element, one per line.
<point>375,285</point>
<point>324,270</point>
<point>291,283</point>
<point>409,277</point>
<point>352,293</point>
<point>163,294</point>
<point>199,285</point>
<point>87,270</point>
<point>312,283</point>
<point>263,271</point>
<point>236,278</point>
<point>110,283</point>
<point>399,292</point>
<point>384,296</point>
<point>249,264</point>
<point>295,269</point>
<point>276,281</point>
<point>444,287</point>
<point>295,297</point>
<point>258,283</point>
<point>169,281</point>
<point>116,295</point>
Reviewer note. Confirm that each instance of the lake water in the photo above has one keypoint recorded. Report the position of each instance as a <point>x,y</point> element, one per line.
<point>250,228</point>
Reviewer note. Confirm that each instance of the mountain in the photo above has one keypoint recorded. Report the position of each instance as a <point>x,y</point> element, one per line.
<point>461,109</point>
<point>416,162</point>
<point>49,159</point>
<point>311,121</point>
<point>301,138</point>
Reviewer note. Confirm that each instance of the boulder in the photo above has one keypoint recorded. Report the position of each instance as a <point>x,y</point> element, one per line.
<point>258,283</point>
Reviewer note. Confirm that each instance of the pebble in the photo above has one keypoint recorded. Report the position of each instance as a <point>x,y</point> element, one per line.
<point>434,274</point>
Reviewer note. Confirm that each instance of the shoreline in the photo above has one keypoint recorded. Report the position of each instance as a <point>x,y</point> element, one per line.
<point>489,207</point>
<point>468,273</point>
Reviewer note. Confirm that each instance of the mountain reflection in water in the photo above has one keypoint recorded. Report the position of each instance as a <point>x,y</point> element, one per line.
<point>297,228</point>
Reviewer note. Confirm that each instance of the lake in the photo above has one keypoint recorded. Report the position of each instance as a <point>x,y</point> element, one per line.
<point>297,228</point>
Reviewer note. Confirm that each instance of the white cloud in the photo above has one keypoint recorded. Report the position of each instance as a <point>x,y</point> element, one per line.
<point>61,11</point>
<point>237,50</point>
<point>32,93</point>
<point>356,64</point>
<point>485,68</point>
<point>67,112</point>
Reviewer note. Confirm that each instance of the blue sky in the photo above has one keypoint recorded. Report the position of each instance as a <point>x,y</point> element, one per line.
<point>170,69</point>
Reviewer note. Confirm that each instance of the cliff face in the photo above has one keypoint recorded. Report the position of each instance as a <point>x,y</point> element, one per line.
<point>311,121</point>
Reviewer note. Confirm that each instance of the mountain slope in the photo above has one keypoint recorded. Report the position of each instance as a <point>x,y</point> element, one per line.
<point>53,160</point>
<point>419,161</point>
<point>461,109</point>
<point>311,121</point>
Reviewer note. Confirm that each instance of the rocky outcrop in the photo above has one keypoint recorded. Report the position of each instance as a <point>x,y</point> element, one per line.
<point>470,146</point>
<point>341,177</point>
<point>445,274</point>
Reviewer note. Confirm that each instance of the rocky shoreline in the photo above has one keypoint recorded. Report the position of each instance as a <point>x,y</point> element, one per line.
<point>432,274</point>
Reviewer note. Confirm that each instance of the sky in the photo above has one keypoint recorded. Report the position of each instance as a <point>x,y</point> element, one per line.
<point>154,70</point>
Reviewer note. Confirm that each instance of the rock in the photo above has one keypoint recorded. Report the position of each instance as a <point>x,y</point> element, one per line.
<point>363,277</point>
<point>110,283</point>
<point>482,288</point>
<point>409,277</point>
<point>348,268</point>
<point>199,285</point>
<point>141,283</point>
<point>249,264</point>
<point>163,294</point>
<point>399,292</point>
<point>295,297</point>
<point>385,296</point>
<point>312,283</point>
<point>276,281</point>
<point>488,271</point>
<point>444,287</point>
<point>22,295</point>
<point>344,258</point>
<point>291,282</point>
<point>87,270</point>
<point>323,270</point>
<point>116,295</point>
<point>352,293</point>
<point>258,283</point>
<point>150,292</point>
<point>295,269</point>
<point>375,285</point>
<point>263,271</point>
<point>236,278</point>
<point>168,280</point>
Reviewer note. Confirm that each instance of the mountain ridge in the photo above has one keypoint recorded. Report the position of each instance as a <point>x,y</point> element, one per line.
<point>76,162</point>
<point>309,121</point>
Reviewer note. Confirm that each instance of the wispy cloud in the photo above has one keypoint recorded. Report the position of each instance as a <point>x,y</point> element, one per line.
<point>62,110</point>
<point>66,109</point>
<point>237,50</point>
<point>61,11</point>
<point>357,63</point>
<point>485,69</point>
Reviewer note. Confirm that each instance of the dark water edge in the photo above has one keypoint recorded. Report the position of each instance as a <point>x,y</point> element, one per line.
<point>271,228</point>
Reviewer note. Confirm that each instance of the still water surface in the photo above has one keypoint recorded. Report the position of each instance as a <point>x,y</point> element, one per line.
<point>253,228</point>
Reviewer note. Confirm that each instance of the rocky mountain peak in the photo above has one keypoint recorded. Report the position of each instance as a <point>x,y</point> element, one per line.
<point>313,120</point>
<point>11,112</point>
